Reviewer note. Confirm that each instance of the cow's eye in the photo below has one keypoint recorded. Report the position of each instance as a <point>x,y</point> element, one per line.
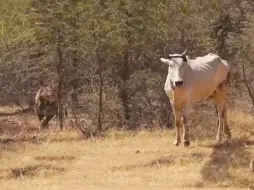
<point>171,66</point>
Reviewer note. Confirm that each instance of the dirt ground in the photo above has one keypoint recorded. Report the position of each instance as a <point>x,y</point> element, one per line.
<point>33,159</point>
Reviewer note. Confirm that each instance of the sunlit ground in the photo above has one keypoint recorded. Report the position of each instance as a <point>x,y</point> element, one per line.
<point>125,160</point>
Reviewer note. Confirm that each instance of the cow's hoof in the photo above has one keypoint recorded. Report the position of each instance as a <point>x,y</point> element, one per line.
<point>218,138</point>
<point>186,143</point>
<point>44,123</point>
<point>228,135</point>
<point>41,127</point>
<point>176,142</point>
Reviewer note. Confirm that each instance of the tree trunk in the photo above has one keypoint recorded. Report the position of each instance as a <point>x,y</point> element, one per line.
<point>247,85</point>
<point>74,80</point>
<point>123,86</point>
<point>125,73</point>
<point>100,103</point>
<point>59,68</point>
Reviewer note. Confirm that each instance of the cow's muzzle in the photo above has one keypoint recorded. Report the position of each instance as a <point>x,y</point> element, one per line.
<point>178,83</point>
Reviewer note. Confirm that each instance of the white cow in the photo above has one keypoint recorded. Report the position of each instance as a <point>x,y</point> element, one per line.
<point>191,80</point>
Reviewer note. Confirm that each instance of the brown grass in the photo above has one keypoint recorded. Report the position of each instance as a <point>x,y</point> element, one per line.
<point>126,160</point>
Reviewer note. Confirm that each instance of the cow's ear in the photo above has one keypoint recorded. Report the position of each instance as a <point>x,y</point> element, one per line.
<point>163,60</point>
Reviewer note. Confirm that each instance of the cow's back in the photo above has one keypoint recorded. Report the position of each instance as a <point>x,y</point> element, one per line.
<point>208,73</point>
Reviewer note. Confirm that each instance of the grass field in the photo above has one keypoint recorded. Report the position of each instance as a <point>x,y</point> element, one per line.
<point>31,159</point>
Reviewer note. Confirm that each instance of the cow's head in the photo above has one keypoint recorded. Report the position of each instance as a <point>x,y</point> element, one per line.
<point>176,68</point>
<point>47,100</point>
<point>48,93</point>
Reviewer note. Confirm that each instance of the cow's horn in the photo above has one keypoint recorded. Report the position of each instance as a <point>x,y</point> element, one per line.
<point>184,53</point>
<point>165,51</point>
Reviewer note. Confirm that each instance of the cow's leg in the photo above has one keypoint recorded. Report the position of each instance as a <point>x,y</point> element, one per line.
<point>225,123</point>
<point>216,110</point>
<point>46,120</point>
<point>220,101</point>
<point>224,90</point>
<point>222,114</point>
<point>177,126</point>
<point>186,141</point>
<point>220,123</point>
<point>177,115</point>
<point>40,116</point>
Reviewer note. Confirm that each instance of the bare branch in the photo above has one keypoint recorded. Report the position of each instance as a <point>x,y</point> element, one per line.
<point>247,85</point>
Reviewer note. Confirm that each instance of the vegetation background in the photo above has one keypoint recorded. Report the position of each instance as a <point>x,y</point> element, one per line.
<point>103,56</point>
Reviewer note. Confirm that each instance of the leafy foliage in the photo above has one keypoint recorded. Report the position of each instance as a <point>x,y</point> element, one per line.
<point>115,46</point>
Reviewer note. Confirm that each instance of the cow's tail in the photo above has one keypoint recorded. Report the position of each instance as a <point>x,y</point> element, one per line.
<point>228,77</point>
<point>217,113</point>
<point>216,110</point>
<point>227,80</point>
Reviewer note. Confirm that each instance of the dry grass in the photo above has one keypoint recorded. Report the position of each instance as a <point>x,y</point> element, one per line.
<point>125,160</point>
